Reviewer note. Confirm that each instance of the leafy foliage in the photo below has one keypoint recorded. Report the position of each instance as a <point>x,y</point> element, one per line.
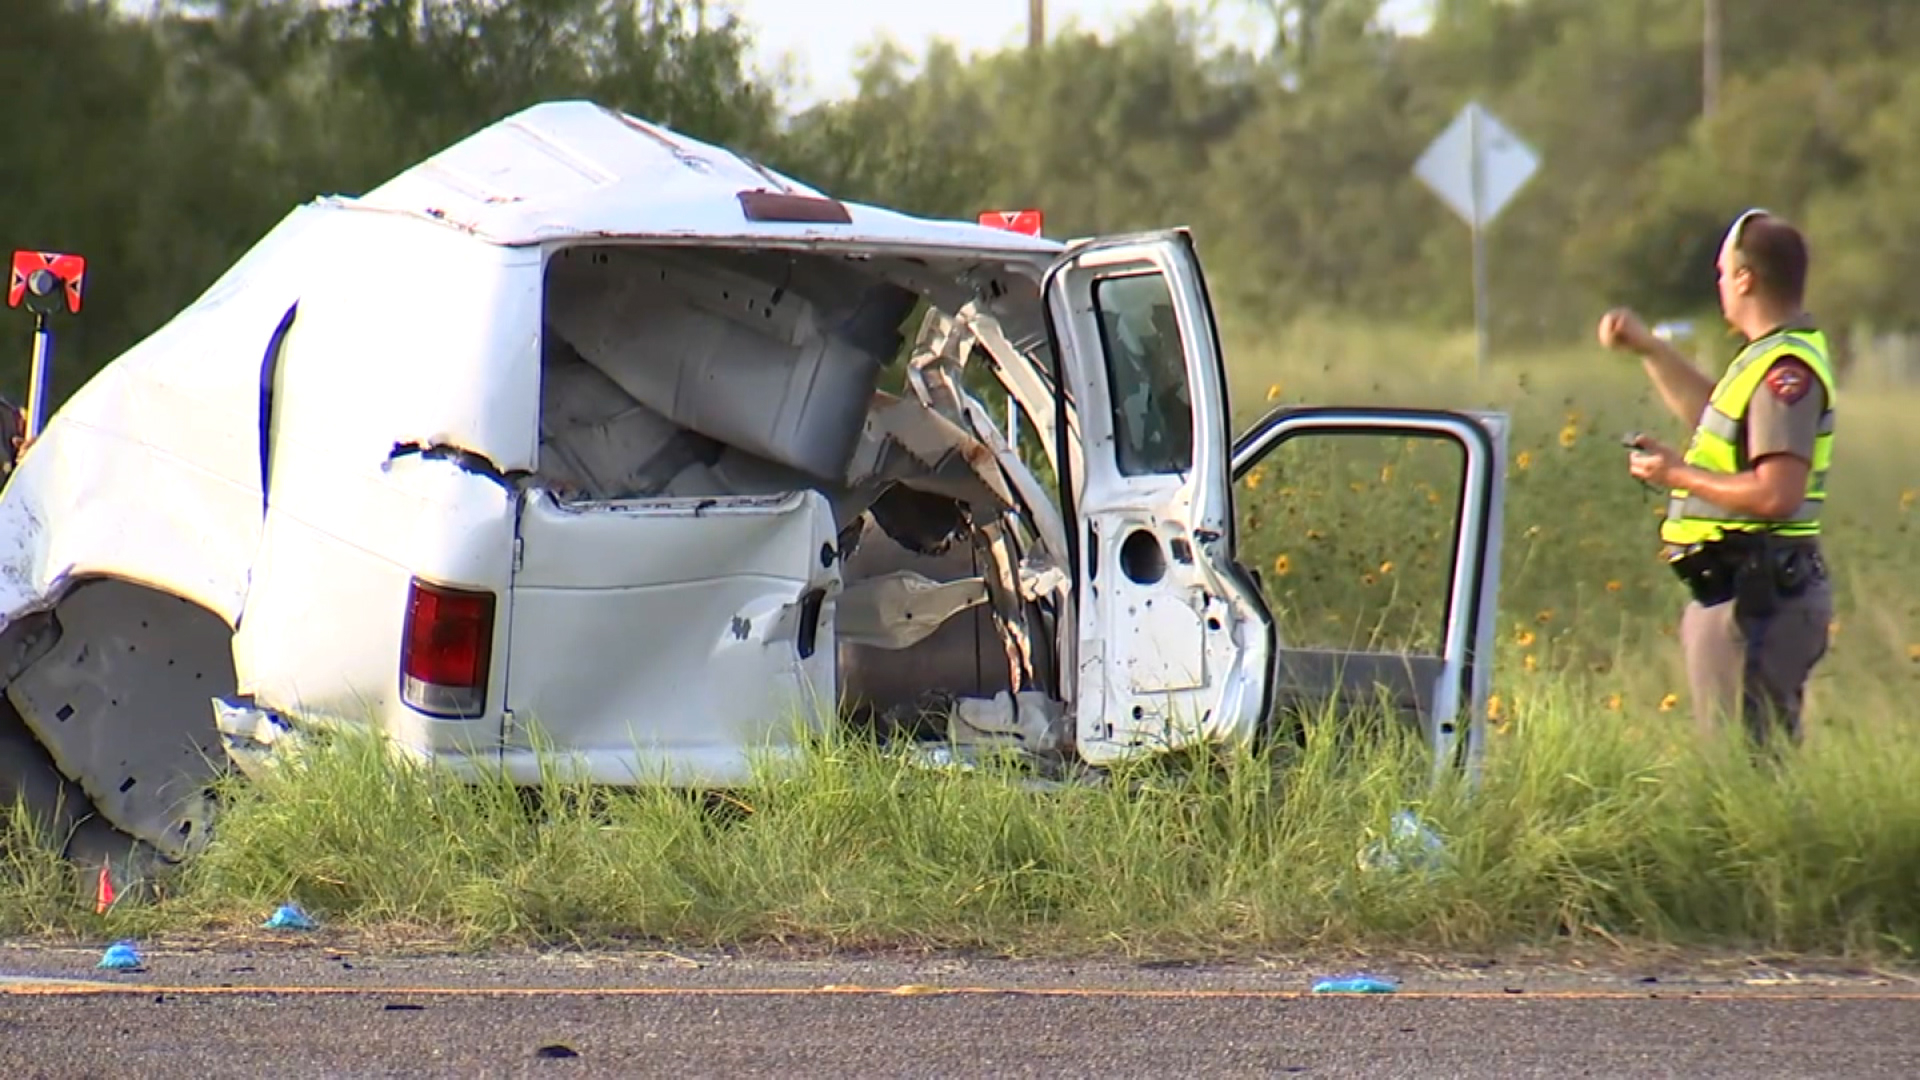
<point>198,123</point>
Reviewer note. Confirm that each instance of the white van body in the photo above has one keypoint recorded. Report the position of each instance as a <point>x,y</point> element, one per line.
<point>576,428</point>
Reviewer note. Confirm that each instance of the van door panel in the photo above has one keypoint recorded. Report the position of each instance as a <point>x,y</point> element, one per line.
<point>1174,643</point>
<point>1443,691</point>
<point>671,633</point>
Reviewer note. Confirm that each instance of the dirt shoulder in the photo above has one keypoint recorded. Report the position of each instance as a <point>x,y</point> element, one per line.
<point>340,961</point>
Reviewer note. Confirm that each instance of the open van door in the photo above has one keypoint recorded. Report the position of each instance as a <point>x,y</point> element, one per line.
<point>1443,692</point>
<point>1175,643</point>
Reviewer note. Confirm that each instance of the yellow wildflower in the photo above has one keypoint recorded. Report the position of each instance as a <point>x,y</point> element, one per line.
<point>1496,708</point>
<point>1433,497</point>
<point>1273,392</point>
<point>1386,473</point>
<point>1613,586</point>
<point>1524,461</point>
<point>1908,497</point>
<point>1282,566</point>
<point>1568,436</point>
<point>1386,568</point>
<point>1253,480</point>
<point>1315,534</point>
<point>1523,638</point>
<point>1913,653</point>
<point>1668,703</point>
<point>1612,702</point>
<point>1358,486</point>
<point>1530,663</point>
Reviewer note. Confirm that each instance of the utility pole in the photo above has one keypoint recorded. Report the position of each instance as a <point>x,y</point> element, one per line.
<point>1710,58</point>
<point>1036,25</point>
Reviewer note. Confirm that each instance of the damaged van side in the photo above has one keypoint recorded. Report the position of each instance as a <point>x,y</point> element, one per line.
<point>585,428</point>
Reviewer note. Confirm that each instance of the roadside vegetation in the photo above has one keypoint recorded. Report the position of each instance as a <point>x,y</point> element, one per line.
<point>1599,818</point>
<point>1340,280</point>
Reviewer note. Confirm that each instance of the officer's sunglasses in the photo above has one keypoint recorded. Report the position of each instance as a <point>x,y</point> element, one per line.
<point>1739,229</point>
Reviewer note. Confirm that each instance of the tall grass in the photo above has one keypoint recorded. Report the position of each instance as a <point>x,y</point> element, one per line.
<point>1577,831</point>
<point>1599,814</point>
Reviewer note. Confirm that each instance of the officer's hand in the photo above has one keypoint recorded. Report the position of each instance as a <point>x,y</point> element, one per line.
<point>1653,463</point>
<point>1622,329</point>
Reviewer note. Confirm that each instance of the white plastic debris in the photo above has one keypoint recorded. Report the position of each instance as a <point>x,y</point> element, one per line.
<point>1409,845</point>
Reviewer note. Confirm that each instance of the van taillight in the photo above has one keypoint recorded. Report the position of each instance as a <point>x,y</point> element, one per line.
<point>444,650</point>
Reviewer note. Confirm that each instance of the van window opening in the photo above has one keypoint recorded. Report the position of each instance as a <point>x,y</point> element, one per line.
<point>1147,370</point>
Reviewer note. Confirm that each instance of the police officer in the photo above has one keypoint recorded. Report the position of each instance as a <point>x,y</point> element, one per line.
<point>1743,512</point>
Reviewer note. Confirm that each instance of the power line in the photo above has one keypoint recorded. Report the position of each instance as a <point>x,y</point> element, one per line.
<point>1710,58</point>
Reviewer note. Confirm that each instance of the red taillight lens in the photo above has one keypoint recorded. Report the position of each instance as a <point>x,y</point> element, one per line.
<point>445,649</point>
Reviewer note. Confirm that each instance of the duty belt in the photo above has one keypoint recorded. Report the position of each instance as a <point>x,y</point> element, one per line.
<point>1756,568</point>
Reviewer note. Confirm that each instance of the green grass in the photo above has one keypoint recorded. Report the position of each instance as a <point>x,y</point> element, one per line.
<point>1599,817</point>
<point>1578,832</point>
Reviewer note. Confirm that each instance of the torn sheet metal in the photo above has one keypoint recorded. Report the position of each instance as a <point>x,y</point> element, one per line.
<point>775,360</point>
<point>903,440</point>
<point>902,609</point>
<point>120,703</point>
<point>1029,721</point>
<point>252,735</point>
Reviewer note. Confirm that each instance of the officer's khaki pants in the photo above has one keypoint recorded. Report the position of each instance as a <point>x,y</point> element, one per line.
<point>1755,670</point>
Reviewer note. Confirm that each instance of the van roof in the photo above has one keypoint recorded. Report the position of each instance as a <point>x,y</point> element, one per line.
<point>574,170</point>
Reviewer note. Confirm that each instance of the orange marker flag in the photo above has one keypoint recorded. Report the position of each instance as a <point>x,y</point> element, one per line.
<point>104,897</point>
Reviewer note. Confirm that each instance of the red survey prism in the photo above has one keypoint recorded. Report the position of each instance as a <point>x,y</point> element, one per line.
<point>71,270</point>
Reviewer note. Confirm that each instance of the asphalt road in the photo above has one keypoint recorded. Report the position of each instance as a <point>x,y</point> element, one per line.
<point>320,1011</point>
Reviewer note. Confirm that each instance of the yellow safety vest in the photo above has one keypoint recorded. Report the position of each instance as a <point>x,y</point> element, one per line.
<point>1719,445</point>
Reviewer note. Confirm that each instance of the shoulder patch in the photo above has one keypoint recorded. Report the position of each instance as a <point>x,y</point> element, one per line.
<point>1789,380</point>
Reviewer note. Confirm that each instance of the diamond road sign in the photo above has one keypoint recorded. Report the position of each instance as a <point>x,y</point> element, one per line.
<point>1505,164</point>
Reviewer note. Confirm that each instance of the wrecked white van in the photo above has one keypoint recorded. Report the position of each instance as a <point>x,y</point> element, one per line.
<point>579,425</point>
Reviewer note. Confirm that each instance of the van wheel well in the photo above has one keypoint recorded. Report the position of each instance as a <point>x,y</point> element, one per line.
<point>117,685</point>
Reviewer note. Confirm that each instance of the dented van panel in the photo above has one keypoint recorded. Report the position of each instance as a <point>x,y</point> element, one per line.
<point>585,442</point>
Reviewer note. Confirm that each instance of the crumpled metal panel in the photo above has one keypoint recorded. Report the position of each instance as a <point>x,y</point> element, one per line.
<point>572,169</point>
<point>151,470</point>
<point>749,360</point>
<point>121,704</point>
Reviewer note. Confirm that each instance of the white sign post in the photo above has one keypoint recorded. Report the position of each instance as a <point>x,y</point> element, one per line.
<point>1476,166</point>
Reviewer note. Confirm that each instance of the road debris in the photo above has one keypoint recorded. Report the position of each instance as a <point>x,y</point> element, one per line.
<point>289,917</point>
<point>121,956</point>
<point>1356,984</point>
<point>1410,845</point>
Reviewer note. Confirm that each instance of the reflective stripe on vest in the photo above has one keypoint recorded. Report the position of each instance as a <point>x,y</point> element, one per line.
<point>1719,445</point>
